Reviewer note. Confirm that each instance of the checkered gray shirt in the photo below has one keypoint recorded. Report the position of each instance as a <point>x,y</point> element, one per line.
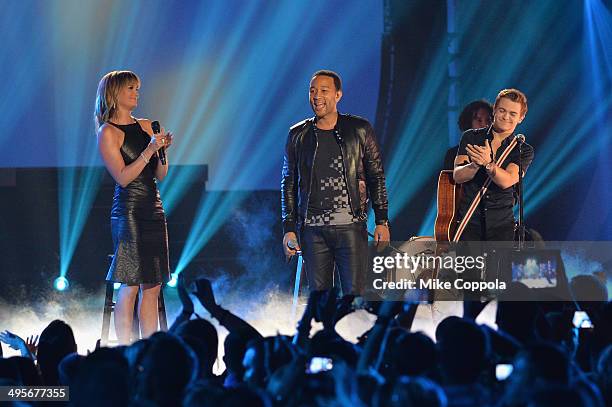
<point>329,199</point>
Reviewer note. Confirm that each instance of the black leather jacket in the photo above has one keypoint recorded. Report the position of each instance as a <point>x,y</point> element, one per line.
<point>362,165</point>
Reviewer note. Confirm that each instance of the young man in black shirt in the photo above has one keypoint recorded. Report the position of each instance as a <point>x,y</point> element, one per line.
<point>332,167</point>
<point>476,159</point>
<point>479,150</point>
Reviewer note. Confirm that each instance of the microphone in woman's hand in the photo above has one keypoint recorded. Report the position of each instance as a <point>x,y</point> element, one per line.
<point>161,153</point>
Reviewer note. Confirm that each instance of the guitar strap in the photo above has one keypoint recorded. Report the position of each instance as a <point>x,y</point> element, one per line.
<point>482,192</point>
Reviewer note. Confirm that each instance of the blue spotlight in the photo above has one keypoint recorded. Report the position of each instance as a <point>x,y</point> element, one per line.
<point>61,283</point>
<point>427,227</point>
<point>173,280</point>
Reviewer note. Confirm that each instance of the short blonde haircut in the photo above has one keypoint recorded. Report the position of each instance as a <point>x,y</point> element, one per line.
<point>514,95</point>
<point>108,91</point>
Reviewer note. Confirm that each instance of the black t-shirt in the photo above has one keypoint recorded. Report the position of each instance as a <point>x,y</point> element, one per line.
<point>496,205</point>
<point>329,201</point>
<point>449,158</point>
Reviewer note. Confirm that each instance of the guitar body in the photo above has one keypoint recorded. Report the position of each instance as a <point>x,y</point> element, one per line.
<point>449,196</point>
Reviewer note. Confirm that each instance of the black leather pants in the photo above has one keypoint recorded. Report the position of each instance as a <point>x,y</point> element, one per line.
<point>343,246</point>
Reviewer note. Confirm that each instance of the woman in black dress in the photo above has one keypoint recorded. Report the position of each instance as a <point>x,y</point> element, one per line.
<point>129,148</point>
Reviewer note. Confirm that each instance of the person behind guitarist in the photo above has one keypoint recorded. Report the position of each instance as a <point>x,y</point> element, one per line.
<point>475,115</point>
<point>479,149</point>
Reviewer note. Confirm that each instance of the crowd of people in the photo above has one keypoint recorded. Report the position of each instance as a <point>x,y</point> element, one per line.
<point>552,363</point>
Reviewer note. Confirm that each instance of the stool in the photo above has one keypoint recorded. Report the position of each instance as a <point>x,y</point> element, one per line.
<point>109,307</point>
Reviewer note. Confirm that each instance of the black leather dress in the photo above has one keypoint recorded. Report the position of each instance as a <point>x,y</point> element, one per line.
<point>138,222</point>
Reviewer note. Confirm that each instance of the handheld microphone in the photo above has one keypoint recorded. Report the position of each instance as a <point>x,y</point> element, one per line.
<point>293,245</point>
<point>520,138</point>
<point>161,153</point>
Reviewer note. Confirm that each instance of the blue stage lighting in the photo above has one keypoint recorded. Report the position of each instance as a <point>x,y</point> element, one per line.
<point>173,280</point>
<point>61,283</point>
<point>427,227</point>
<point>258,53</point>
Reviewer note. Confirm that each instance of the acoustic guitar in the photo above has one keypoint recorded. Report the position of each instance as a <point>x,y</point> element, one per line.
<point>449,197</point>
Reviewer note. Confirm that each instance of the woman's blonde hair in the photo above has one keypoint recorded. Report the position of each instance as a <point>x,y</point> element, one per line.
<point>108,90</point>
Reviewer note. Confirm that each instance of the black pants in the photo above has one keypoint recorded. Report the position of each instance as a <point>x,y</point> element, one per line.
<point>501,232</point>
<point>341,246</point>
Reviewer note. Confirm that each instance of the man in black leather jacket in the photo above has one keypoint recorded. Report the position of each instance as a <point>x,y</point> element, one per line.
<point>332,167</point>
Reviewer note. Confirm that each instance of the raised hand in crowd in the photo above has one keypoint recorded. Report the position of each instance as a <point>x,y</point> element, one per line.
<point>187,304</point>
<point>183,294</point>
<point>32,344</point>
<point>331,309</point>
<point>387,311</point>
<point>17,343</point>
<point>231,322</point>
<point>326,308</point>
<point>305,323</point>
<point>205,295</point>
